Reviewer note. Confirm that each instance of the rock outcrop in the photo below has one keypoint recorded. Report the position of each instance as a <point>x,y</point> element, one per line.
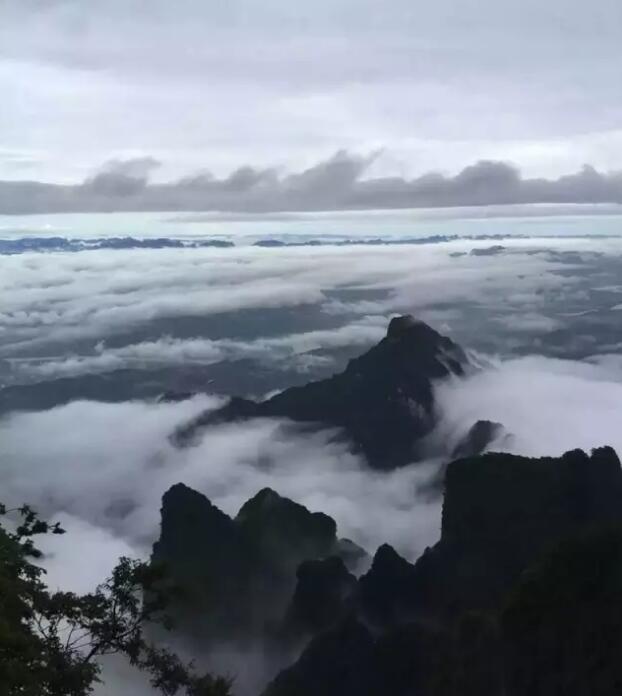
<point>502,511</point>
<point>386,594</point>
<point>322,596</point>
<point>283,532</point>
<point>349,660</point>
<point>522,594</point>
<point>235,577</point>
<point>211,565</point>
<point>383,401</point>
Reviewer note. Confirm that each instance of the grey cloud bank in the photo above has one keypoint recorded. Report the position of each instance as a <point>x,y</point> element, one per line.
<point>337,183</point>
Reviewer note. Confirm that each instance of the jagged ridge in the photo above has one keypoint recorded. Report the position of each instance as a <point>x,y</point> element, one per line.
<point>529,564</point>
<point>383,401</point>
<point>236,575</point>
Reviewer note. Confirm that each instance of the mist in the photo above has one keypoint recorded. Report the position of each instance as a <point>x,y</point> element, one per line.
<point>201,201</point>
<point>115,486</point>
<point>541,315</point>
<point>69,297</point>
<point>547,406</point>
<point>106,490</point>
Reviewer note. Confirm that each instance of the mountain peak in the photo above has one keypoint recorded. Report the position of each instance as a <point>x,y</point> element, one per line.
<point>398,326</point>
<point>284,529</point>
<point>383,401</point>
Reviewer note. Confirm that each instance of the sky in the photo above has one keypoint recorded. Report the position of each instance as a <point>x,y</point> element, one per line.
<point>254,116</point>
<point>193,86</point>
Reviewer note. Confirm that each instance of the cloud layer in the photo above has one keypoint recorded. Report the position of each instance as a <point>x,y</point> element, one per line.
<point>64,299</point>
<point>117,486</point>
<point>74,314</point>
<point>547,405</point>
<point>107,492</point>
<point>341,182</point>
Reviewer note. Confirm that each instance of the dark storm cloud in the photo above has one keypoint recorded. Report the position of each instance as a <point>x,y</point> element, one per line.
<point>337,183</point>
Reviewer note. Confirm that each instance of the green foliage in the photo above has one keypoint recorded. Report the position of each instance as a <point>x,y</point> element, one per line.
<point>50,641</point>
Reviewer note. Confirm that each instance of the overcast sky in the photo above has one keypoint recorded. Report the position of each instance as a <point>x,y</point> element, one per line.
<point>214,85</point>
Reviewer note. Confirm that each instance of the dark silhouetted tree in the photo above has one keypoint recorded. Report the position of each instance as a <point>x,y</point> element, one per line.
<point>50,642</point>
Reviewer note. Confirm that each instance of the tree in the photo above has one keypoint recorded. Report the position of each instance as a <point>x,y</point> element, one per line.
<point>50,641</point>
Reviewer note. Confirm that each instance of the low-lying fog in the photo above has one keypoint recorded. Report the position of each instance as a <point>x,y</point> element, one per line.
<point>89,340</point>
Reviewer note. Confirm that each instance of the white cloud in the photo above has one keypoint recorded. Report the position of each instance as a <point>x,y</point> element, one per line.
<point>115,484</point>
<point>109,488</point>
<point>81,572</point>
<point>101,469</point>
<point>292,349</point>
<point>61,297</point>
<point>547,405</point>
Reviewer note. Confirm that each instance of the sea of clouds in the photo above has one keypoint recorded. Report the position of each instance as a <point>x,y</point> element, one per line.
<point>64,299</point>
<point>101,468</point>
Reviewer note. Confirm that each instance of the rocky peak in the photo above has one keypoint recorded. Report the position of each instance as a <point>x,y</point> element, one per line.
<point>237,575</point>
<point>501,512</point>
<point>320,599</point>
<point>412,345</point>
<point>188,516</point>
<point>398,326</point>
<point>284,531</point>
<point>208,562</point>
<point>383,401</point>
<point>529,564</point>
<point>496,495</point>
<point>386,593</point>
<point>336,663</point>
<point>416,333</point>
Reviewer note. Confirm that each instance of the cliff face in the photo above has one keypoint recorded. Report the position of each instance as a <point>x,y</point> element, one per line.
<point>322,596</point>
<point>283,532</point>
<point>531,499</point>
<point>521,595</point>
<point>529,564</point>
<point>209,562</point>
<point>234,577</point>
<point>501,511</point>
<point>383,401</point>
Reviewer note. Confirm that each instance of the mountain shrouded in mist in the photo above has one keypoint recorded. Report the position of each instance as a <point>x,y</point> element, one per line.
<point>464,617</point>
<point>310,334</point>
<point>383,400</point>
<point>475,614</point>
<point>530,550</point>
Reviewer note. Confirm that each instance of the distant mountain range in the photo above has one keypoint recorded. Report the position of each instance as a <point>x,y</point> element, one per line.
<point>29,244</point>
